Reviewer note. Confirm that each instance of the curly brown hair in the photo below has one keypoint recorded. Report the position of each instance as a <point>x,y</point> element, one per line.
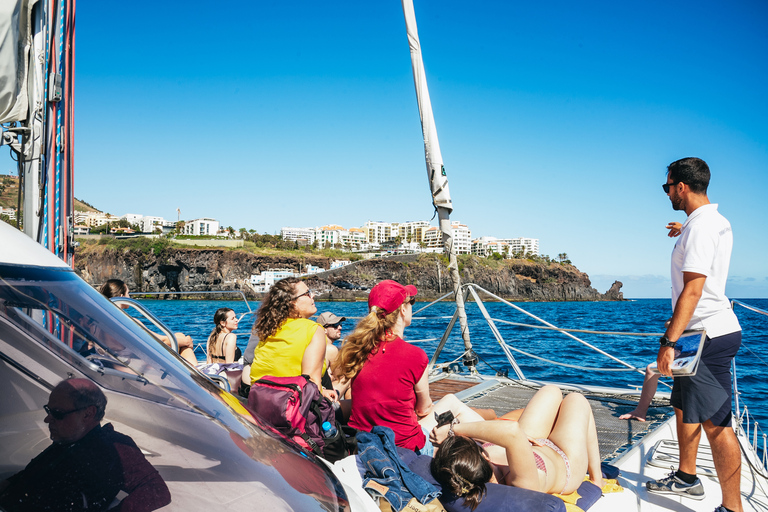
<point>276,307</point>
<point>460,467</point>
<point>369,332</point>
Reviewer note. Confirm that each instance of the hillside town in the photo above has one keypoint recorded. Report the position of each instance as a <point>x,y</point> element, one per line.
<point>373,236</point>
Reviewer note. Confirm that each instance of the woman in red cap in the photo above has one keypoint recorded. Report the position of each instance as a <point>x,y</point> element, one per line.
<point>388,376</point>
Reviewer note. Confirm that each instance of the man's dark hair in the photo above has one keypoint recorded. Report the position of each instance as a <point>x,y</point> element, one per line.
<point>694,172</point>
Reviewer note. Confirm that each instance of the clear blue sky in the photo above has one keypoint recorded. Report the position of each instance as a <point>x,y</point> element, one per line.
<point>556,119</point>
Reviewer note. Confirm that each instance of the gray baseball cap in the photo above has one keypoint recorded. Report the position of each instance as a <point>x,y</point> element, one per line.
<point>328,318</point>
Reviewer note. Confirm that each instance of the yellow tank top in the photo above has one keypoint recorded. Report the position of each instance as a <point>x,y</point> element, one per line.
<point>280,355</point>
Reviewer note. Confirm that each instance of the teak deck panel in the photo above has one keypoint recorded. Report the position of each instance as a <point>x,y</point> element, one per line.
<point>440,388</point>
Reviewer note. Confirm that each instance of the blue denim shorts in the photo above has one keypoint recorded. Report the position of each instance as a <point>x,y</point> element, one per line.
<point>428,448</point>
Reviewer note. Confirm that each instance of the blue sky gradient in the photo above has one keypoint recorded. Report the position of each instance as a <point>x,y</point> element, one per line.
<point>556,119</point>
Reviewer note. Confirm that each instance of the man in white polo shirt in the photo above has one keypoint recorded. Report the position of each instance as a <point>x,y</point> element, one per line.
<point>700,263</point>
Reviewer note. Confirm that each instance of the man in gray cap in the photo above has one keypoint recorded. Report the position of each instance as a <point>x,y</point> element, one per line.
<point>332,325</point>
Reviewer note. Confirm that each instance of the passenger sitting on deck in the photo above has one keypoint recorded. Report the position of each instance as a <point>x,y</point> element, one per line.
<point>117,288</point>
<point>650,383</point>
<point>87,464</point>
<point>222,343</point>
<point>550,448</point>
<point>289,343</point>
<point>388,376</point>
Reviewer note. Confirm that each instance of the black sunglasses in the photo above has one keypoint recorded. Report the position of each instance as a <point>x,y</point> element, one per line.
<point>308,293</point>
<point>667,186</point>
<point>337,325</point>
<point>60,415</point>
<point>412,301</point>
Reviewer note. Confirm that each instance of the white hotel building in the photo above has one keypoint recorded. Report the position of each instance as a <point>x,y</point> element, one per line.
<point>487,245</point>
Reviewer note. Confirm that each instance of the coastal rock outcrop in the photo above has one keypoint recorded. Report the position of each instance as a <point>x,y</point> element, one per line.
<point>190,269</point>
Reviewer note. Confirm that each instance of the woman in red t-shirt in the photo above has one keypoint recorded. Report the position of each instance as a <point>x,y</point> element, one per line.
<point>389,380</point>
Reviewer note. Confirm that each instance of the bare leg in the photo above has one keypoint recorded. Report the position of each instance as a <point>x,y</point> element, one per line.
<point>727,458</point>
<point>574,432</point>
<point>188,354</point>
<point>457,407</point>
<point>688,436</point>
<point>487,414</point>
<point>184,341</point>
<point>650,383</point>
<point>538,417</point>
<point>512,415</point>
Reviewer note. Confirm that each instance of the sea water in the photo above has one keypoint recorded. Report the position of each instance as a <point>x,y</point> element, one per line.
<point>195,318</point>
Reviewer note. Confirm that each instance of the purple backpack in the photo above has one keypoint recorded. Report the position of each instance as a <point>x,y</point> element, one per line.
<point>294,407</point>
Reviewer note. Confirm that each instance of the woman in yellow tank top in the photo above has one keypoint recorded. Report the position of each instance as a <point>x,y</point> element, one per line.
<point>291,344</point>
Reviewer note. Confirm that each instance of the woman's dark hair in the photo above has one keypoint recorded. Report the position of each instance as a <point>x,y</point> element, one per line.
<point>114,288</point>
<point>218,317</point>
<point>460,467</point>
<point>692,171</point>
<point>276,307</point>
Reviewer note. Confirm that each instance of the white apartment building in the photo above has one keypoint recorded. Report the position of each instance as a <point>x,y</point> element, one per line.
<point>94,219</point>
<point>378,232</point>
<point>296,234</point>
<point>339,263</point>
<point>10,212</point>
<point>462,238</point>
<point>487,245</point>
<point>329,235</point>
<point>151,224</point>
<point>201,227</point>
<point>263,282</point>
<point>413,231</point>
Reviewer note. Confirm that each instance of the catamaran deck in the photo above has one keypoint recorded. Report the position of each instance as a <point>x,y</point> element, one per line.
<point>642,450</point>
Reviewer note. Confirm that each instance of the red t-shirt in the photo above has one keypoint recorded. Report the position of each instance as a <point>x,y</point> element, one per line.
<point>383,392</point>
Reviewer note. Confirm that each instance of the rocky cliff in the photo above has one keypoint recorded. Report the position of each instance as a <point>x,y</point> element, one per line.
<point>175,269</point>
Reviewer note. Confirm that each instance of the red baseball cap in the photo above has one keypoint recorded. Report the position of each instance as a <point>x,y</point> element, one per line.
<point>390,295</point>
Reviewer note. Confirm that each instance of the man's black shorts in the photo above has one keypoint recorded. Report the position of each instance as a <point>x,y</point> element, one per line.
<point>707,395</point>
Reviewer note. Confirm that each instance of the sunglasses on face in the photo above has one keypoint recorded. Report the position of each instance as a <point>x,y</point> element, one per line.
<point>308,293</point>
<point>60,415</point>
<point>335,326</point>
<point>667,186</point>
<point>412,301</point>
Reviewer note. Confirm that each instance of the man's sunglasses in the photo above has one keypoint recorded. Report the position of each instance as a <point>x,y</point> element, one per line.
<point>60,415</point>
<point>337,325</point>
<point>667,186</point>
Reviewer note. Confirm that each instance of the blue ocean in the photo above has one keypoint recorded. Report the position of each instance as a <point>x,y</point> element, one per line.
<point>195,318</point>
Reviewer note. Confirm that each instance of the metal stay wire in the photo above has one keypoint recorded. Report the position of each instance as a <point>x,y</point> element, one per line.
<point>521,310</point>
<point>497,334</point>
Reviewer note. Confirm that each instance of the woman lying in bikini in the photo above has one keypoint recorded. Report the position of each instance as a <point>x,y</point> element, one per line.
<point>549,449</point>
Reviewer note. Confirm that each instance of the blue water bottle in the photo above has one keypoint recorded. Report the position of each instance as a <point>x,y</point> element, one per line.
<point>329,430</point>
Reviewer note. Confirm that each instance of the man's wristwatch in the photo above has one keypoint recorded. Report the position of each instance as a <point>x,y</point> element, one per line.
<point>664,341</point>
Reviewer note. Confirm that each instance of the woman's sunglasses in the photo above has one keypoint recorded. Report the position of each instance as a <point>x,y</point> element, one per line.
<point>308,293</point>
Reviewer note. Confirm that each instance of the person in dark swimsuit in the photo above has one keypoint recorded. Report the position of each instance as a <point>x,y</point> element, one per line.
<point>222,343</point>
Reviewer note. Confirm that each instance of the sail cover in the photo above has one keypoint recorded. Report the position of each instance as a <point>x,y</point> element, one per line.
<point>15,41</point>
<point>438,181</point>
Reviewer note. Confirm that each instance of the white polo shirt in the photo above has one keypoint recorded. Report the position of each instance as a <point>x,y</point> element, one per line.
<point>704,247</point>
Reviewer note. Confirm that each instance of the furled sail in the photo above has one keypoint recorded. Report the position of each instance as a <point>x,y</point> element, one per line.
<point>37,112</point>
<point>438,180</point>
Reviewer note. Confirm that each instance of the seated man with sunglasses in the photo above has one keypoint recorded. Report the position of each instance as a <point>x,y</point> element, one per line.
<point>332,325</point>
<point>87,465</point>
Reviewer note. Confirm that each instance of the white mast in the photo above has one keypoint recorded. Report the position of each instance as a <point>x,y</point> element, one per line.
<point>438,181</point>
